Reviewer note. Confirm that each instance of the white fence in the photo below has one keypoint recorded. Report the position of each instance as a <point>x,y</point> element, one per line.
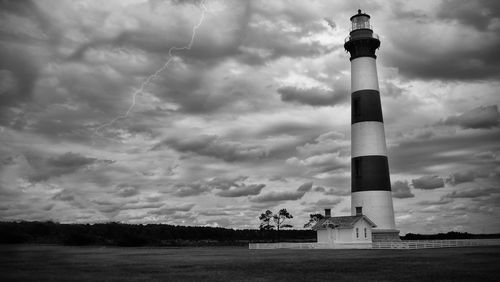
<point>405,245</point>
<point>311,245</point>
<point>430,244</point>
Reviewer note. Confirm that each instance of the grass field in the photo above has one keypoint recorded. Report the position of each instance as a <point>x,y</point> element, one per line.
<point>61,263</point>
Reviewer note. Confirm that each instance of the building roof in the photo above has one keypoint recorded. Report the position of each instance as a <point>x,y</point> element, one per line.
<point>341,222</point>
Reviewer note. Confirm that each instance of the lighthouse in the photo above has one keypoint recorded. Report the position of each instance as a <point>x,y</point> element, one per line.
<point>370,181</point>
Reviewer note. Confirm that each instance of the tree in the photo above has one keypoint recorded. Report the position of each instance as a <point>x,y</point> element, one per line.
<point>280,219</point>
<point>313,219</point>
<point>265,221</point>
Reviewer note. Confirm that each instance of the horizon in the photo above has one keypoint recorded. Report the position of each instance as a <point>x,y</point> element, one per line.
<point>208,113</point>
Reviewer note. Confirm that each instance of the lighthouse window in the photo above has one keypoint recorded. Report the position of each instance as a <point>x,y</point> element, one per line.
<point>357,167</point>
<point>365,232</point>
<point>357,232</point>
<point>355,107</point>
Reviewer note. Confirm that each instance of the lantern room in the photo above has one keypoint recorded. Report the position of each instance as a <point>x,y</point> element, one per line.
<point>360,21</point>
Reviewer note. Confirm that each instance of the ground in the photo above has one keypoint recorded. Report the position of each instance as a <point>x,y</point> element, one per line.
<point>45,263</point>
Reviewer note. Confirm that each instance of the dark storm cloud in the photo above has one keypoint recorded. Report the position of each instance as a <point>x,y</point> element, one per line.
<point>480,14</point>
<point>401,190</point>
<point>144,35</point>
<point>66,163</point>
<point>311,96</point>
<point>469,54</point>
<point>70,161</point>
<point>29,11</point>
<point>428,182</point>
<point>424,152</point>
<point>481,117</point>
<point>242,190</point>
<point>19,72</point>
<point>213,146</point>
<point>283,196</point>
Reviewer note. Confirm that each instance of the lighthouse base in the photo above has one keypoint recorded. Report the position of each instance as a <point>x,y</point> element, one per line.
<point>385,235</point>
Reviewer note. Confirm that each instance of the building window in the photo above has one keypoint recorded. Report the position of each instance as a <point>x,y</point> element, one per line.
<point>365,232</point>
<point>359,210</point>
<point>357,232</point>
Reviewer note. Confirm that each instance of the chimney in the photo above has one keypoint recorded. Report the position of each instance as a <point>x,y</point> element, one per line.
<point>328,213</point>
<point>359,210</point>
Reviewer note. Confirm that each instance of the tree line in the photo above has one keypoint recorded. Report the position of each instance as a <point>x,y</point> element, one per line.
<point>121,234</point>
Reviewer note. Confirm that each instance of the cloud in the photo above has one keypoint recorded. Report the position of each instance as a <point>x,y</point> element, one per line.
<point>441,201</point>
<point>488,155</point>
<point>325,203</point>
<point>70,161</point>
<point>213,146</point>
<point>332,191</point>
<point>278,178</point>
<point>170,210</point>
<point>311,96</point>
<point>449,149</point>
<point>466,12</point>
<point>472,193</point>
<point>330,22</point>
<point>428,182</point>
<point>482,117</point>
<point>261,97</point>
<point>225,183</point>
<point>322,163</point>
<point>401,190</point>
<point>126,190</point>
<point>473,40</point>
<point>242,190</point>
<point>306,187</point>
<point>19,74</point>
<point>64,196</point>
<point>465,176</point>
<point>190,189</point>
<point>284,196</point>
<point>66,163</point>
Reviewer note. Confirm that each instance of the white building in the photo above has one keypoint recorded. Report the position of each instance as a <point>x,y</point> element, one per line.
<point>355,230</point>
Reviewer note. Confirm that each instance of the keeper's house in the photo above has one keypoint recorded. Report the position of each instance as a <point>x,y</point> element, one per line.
<point>355,230</point>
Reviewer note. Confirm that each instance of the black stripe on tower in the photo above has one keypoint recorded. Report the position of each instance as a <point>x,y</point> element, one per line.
<point>366,106</point>
<point>362,43</point>
<point>370,173</point>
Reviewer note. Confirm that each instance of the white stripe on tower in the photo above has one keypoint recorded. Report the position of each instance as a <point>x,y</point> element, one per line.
<point>364,74</point>
<point>368,138</point>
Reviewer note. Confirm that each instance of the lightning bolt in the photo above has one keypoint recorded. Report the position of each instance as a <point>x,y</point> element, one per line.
<point>156,74</point>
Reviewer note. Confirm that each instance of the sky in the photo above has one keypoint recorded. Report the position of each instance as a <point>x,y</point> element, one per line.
<point>209,113</point>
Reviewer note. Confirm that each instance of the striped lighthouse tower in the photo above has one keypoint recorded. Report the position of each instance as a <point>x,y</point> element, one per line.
<point>370,182</point>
